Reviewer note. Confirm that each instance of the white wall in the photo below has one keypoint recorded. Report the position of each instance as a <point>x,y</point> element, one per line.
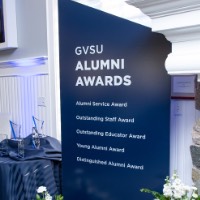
<point>21,87</point>
<point>19,96</point>
<point>31,31</point>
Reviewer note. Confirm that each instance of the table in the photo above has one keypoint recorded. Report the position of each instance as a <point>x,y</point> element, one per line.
<point>20,177</point>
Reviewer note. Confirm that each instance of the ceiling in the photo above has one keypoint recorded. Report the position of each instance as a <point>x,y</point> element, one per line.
<point>118,8</point>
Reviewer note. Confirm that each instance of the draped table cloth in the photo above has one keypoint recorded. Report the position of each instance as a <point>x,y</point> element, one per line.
<point>20,177</point>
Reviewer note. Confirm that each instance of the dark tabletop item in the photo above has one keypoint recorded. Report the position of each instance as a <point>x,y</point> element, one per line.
<point>20,177</point>
<point>50,148</point>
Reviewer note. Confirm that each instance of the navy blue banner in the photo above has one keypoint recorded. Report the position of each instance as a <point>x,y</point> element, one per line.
<point>115,105</point>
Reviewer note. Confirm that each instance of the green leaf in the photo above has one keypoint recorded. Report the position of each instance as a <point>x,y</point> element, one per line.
<point>38,197</point>
<point>59,197</point>
<point>157,195</point>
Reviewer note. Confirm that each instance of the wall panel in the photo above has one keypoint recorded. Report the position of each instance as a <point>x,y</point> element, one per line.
<point>19,96</point>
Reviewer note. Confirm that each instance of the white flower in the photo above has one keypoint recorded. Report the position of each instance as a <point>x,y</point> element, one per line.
<point>194,188</point>
<point>48,196</point>
<point>41,189</point>
<point>195,195</point>
<point>178,194</point>
<point>174,176</point>
<point>174,189</point>
<point>167,191</point>
<point>187,188</point>
<point>177,181</point>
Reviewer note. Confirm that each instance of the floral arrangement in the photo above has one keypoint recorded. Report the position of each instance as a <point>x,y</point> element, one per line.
<point>174,189</point>
<point>43,194</point>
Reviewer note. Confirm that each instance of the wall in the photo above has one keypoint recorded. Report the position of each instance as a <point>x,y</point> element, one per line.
<point>19,97</point>
<point>22,86</point>
<point>31,31</point>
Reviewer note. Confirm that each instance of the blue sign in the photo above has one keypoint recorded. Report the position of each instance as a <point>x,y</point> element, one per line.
<point>115,105</point>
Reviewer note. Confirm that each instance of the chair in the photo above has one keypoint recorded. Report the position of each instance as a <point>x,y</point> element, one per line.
<point>15,130</point>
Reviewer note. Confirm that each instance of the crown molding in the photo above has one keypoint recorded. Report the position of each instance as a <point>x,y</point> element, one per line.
<point>181,64</point>
<point>179,21</point>
<point>182,34</point>
<point>161,8</point>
